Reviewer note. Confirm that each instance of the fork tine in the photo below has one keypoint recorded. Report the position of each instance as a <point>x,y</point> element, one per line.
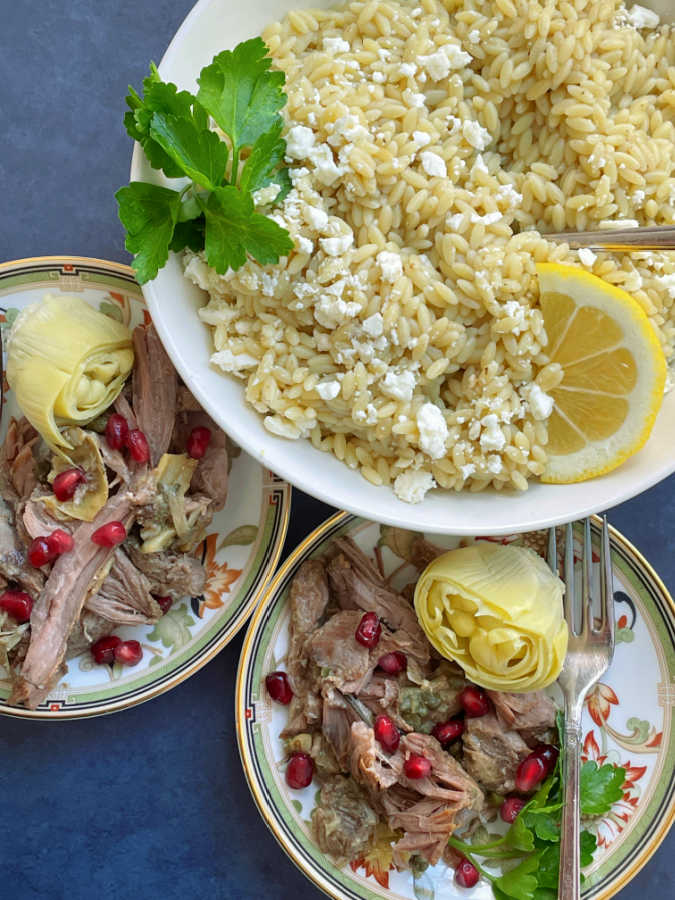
<point>606,587</point>
<point>568,600</point>
<point>586,576</point>
<point>552,552</point>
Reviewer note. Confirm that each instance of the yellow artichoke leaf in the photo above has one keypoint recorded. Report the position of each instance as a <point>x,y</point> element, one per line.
<point>92,495</point>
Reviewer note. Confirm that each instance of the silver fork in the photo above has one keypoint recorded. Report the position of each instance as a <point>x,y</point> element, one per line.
<point>589,654</point>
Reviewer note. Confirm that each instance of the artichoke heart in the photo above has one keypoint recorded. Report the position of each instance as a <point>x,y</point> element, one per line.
<point>497,611</point>
<point>92,495</point>
<point>66,363</point>
<point>169,520</point>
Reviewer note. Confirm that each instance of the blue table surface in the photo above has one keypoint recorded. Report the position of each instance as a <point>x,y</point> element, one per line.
<point>150,802</point>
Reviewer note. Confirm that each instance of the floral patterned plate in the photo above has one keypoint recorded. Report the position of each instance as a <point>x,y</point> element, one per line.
<point>627,720</point>
<point>239,554</point>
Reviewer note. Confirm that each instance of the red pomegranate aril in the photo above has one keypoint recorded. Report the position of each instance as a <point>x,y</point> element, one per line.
<point>279,687</point>
<point>116,431</point>
<point>387,734</point>
<point>393,663</point>
<point>59,541</point>
<point>369,630</point>
<point>164,603</point>
<point>66,483</point>
<point>447,732</point>
<point>40,553</point>
<point>530,773</point>
<point>128,653</point>
<point>137,445</point>
<point>18,604</point>
<point>417,766</point>
<point>110,534</point>
<point>510,809</point>
<point>466,874</point>
<point>198,442</point>
<point>548,755</point>
<point>475,702</point>
<point>299,771</point>
<point>103,650</point>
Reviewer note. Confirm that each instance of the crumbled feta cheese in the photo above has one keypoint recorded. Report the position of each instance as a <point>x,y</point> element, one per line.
<point>266,195</point>
<point>433,164</point>
<point>328,390</point>
<point>437,65</point>
<point>474,36</point>
<point>510,194</point>
<point>331,311</point>
<point>399,385</point>
<point>541,404</point>
<point>299,142</point>
<point>668,283</point>
<point>231,362</point>
<point>433,430</point>
<point>335,45</point>
<point>494,464</point>
<point>317,218</point>
<point>411,487</point>
<point>335,246</point>
<point>407,69</point>
<point>325,167</point>
<point>379,77</point>
<point>640,17</point>
<point>638,197</point>
<point>475,134</point>
<point>455,221</point>
<point>479,164</point>
<point>304,244</point>
<point>487,219</point>
<point>411,98</point>
<point>373,325</point>
<point>492,437</point>
<point>421,138</point>
<point>457,58</point>
<point>390,264</point>
<point>586,256</point>
<point>467,470</point>
<point>269,283</point>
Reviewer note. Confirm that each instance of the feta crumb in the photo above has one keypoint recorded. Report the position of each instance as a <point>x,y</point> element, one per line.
<point>379,77</point>
<point>231,362</point>
<point>640,17</point>
<point>475,134</point>
<point>317,218</point>
<point>479,163</point>
<point>541,404</point>
<point>304,244</point>
<point>668,283</point>
<point>390,264</point>
<point>407,69</point>
<point>492,437</point>
<point>638,197</point>
<point>325,168</point>
<point>586,256</point>
<point>399,385</point>
<point>299,142</point>
<point>335,246</point>
<point>474,36</point>
<point>433,164</point>
<point>269,283</point>
<point>335,45</point>
<point>266,195</point>
<point>467,470</point>
<point>413,99</point>
<point>421,138</point>
<point>433,430</point>
<point>411,487</point>
<point>494,464</point>
<point>487,219</point>
<point>457,58</point>
<point>328,390</point>
<point>455,221</point>
<point>332,311</point>
<point>437,65</point>
<point>373,325</point>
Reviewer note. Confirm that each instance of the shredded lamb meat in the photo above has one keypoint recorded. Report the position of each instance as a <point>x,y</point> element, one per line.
<point>154,387</point>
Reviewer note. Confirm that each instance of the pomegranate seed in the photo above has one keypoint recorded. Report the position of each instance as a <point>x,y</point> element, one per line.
<point>66,482</point>
<point>59,541</point>
<point>116,431</point>
<point>103,650</point>
<point>530,773</point>
<point>386,733</point>
<point>299,771</point>
<point>18,604</point>
<point>474,701</point>
<point>40,553</point>
<point>110,534</point>
<point>466,874</point>
<point>279,687</point>
<point>129,653</point>
<point>198,442</point>
<point>137,445</point>
<point>369,630</point>
<point>548,755</point>
<point>164,603</point>
<point>447,732</point>
<point>393,663</point>
<point>510,809</point>
<point>417,766</point>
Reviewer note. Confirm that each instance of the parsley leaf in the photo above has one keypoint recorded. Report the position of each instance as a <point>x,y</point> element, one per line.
<point>149,214</point>
<point>600,787</point>
<point>233,229</point>
<point>262,166</point>
<point>201,155</point>
<point>242,94</point>
<point>189,234</point>
<point>588,844</point>
<point>519,882</point>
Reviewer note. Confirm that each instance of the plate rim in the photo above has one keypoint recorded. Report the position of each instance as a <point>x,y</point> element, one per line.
<point>284,488</point>
<point>245,658</point>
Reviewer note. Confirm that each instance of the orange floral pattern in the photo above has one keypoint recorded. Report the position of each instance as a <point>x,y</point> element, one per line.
<point>379,859</point>
<point>219,577</point>
<point>600,701</point>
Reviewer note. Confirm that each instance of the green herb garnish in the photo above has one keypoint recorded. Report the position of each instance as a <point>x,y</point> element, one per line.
<point>534,838</point>
<point>215,211</point>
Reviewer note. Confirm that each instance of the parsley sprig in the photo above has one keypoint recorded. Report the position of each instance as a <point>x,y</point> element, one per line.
<point>534,838</point>
<point>214,210</point>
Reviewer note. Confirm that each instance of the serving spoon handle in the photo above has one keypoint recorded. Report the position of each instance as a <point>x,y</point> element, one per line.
<point>653,237</point>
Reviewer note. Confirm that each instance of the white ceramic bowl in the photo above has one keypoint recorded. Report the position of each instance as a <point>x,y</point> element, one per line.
<point>215,25</point>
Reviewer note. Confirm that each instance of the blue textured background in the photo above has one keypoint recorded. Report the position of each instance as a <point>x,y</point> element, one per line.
<point>150,802</point>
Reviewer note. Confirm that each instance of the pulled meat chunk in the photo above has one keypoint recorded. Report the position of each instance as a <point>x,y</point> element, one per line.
<point>343,820</point>
<point>176,574</point>
<point>492,753</point>
<point>154,387</point>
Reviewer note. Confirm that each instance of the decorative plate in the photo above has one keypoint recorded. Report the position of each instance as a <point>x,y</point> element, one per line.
<point>240,554</point>
<point>627,720</point>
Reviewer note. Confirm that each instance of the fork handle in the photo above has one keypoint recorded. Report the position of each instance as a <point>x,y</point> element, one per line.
<point>569,882</point>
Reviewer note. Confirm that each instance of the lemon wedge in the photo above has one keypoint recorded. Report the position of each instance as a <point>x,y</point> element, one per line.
<point>614,373</point>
